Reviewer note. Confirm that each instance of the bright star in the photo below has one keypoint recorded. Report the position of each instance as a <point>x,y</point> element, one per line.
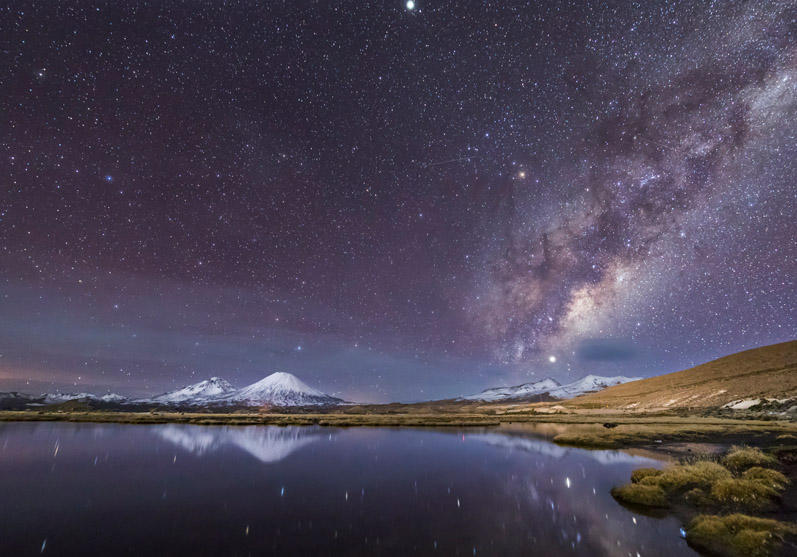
<point>410,5</point>
<point>552,359</point>
<point>108,178</point>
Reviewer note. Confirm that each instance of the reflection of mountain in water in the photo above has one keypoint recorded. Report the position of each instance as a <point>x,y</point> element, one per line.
<point>265,443</point>
<point>549,449</point>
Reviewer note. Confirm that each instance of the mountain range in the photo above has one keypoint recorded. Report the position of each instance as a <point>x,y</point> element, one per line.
<point>285,390</point>
<point>278,389</point>
<point>550,387</point>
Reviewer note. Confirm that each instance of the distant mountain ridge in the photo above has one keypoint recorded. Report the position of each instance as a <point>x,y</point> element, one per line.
<point>550,387</point>
<point>277,389</point>
<point>517,391</point>
<point>205,391</point>
<point>53,398</point>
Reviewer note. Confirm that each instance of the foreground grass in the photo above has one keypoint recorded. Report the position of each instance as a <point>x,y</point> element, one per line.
<point>337,420</point>
<point>738,535</point>
<point>585,431</point>
<point>743,481</point>
<point>668,430</point>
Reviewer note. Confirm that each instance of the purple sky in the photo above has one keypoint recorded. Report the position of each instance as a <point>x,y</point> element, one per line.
<point>392,204</point>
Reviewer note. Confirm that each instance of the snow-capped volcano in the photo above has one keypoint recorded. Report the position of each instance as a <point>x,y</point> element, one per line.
<point>281,389</point>
<point>209,390</point>
<point>551,387</point>
<point>518,391</point>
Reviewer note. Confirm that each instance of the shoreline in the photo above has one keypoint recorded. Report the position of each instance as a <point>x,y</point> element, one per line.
<point>588,431</point>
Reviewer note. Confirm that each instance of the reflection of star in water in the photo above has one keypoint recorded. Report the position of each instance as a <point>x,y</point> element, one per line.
<point>267,444</point>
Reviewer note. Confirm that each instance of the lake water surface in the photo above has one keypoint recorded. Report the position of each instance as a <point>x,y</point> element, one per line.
<point>99,489</point>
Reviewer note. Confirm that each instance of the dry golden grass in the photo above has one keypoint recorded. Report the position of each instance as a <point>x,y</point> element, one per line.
<point>768,371</point>
<point>629,432</point>
<point>338,420</point>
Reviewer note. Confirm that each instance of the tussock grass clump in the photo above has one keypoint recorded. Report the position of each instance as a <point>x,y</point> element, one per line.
<point>740,459</point>
<point>640,473</point>
<point>682,478</point>
<point>705,483</point>
<point>766,476</point>
<point>639,494</point>
<point>738,535</point>
<point>744,494</point>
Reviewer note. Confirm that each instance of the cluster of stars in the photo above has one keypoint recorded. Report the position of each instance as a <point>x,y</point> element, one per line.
<point>462,189</point>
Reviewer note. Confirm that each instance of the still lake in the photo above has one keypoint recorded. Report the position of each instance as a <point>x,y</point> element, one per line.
<point>101,489</point>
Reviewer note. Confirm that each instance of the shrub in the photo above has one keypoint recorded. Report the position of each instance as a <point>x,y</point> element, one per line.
<point>737,535</point>
<point>740,459</point>
<point>638,494</point>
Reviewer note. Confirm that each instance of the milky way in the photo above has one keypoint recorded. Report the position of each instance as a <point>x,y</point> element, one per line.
<point>392,203</point>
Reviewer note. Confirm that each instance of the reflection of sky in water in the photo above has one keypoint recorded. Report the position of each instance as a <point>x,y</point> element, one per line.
<point>111,489</point>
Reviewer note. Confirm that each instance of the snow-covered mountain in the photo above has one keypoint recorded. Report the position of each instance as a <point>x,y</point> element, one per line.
<point>518,391</point>
<point>589,384</point>
<point>278,389</point>
<point>209,390</point>
<point>551,387</point>
<point>281,389</point>
<point>54,398</point>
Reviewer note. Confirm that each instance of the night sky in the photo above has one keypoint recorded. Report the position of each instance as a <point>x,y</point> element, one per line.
<point>392,203</point>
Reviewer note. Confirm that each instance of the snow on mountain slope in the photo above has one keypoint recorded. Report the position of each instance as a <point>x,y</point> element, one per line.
<point>518,391</point>
<point>54,398</point>
<point>113,397</point>
<point>551,387</point>
<point>209,390</point>
<point>589,384</point>
<point>281,389</point>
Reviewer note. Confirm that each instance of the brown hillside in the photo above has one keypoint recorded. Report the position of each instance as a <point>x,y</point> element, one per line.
<point>765,372</point>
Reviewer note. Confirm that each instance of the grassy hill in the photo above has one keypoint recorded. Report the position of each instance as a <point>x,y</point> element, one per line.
<point>765,372</point>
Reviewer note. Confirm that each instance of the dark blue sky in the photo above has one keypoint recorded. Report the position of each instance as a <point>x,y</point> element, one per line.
<point>392,204</point>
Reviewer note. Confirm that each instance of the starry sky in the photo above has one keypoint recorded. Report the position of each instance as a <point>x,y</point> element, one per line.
<point>393,203</point>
